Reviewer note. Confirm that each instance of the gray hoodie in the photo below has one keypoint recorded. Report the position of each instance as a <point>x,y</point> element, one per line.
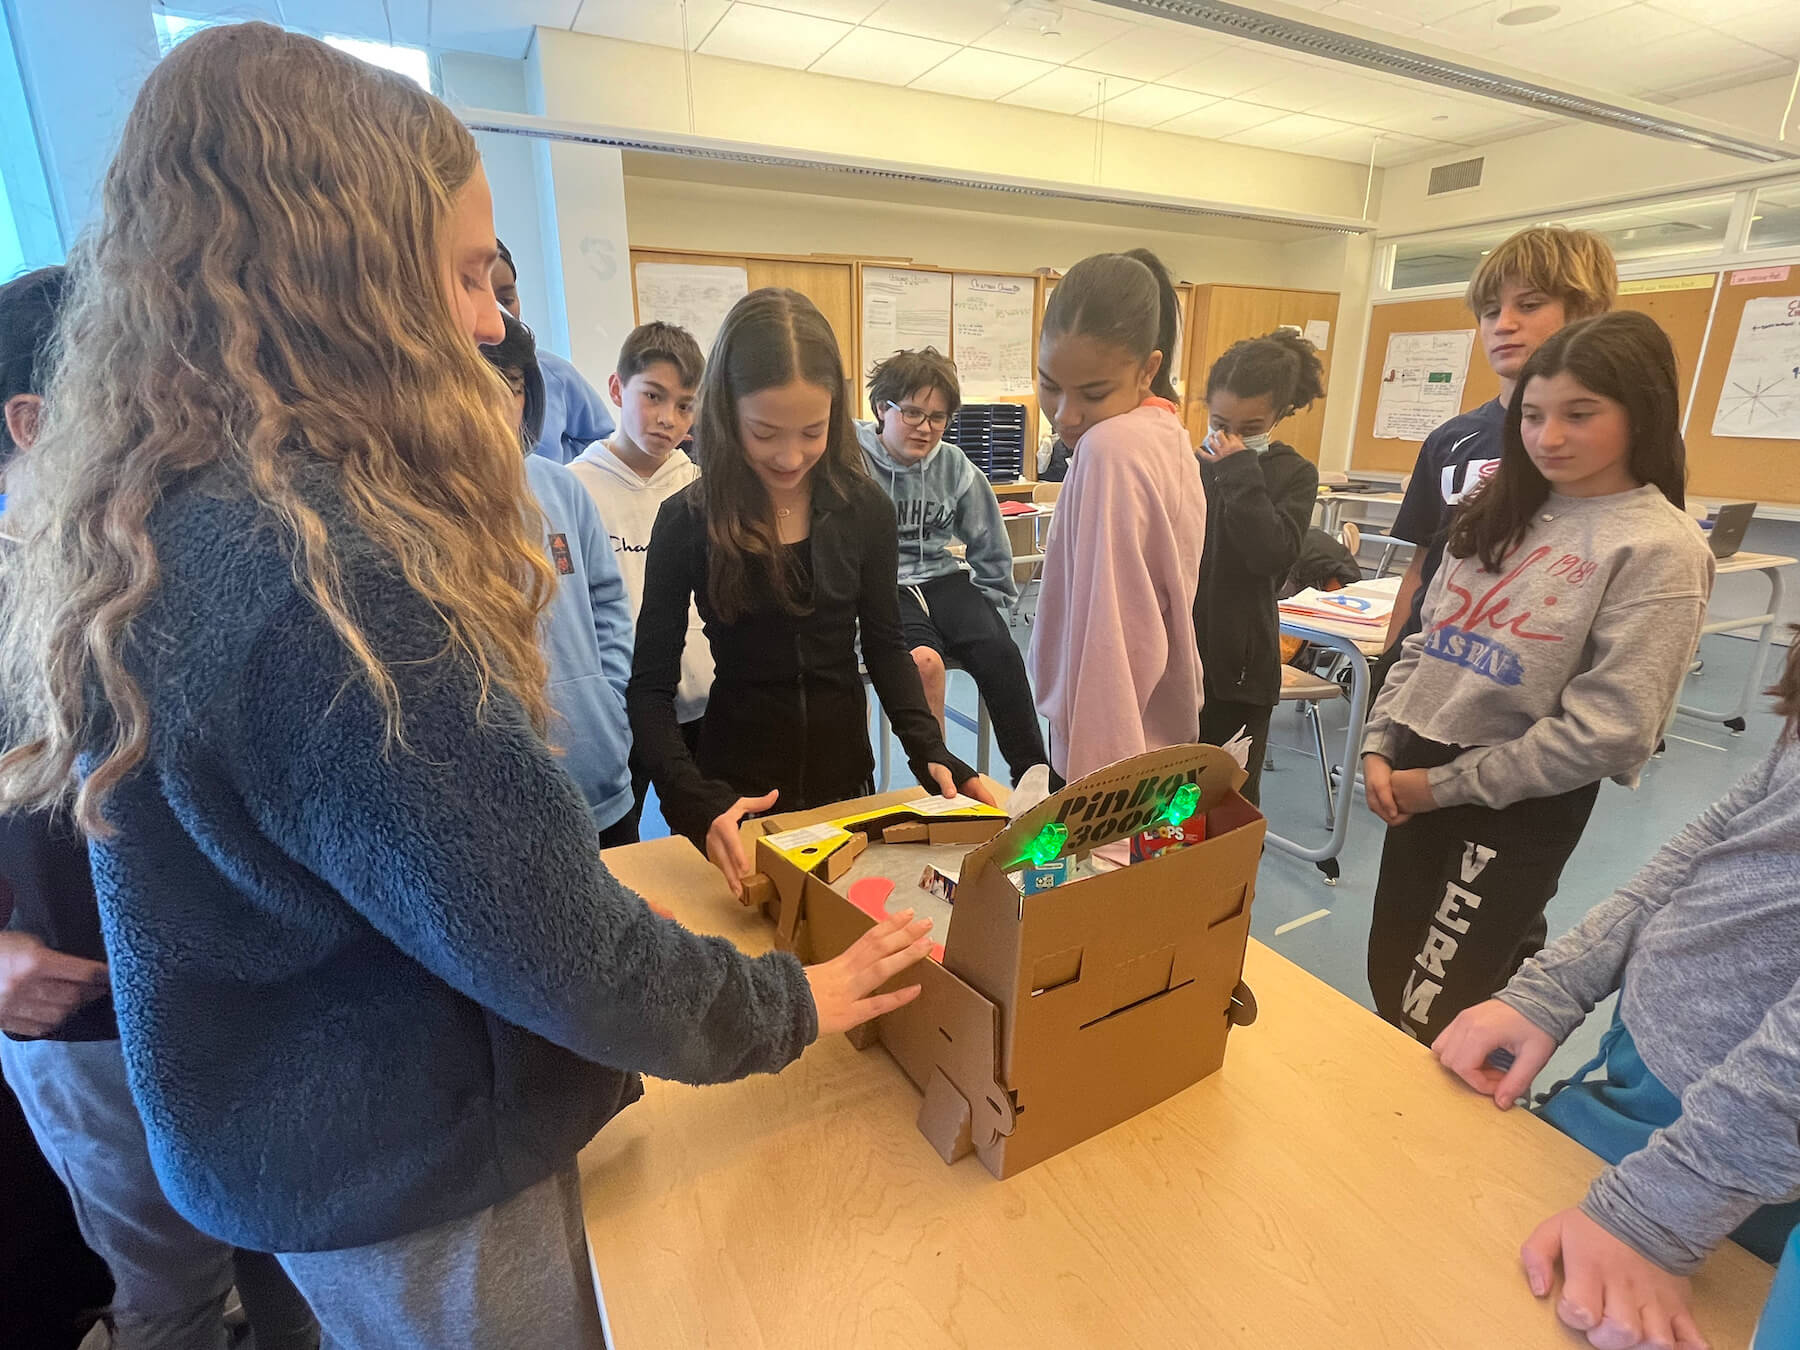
<point>1704,942</point>
<point>943,498</point>
<point>1563,668</point>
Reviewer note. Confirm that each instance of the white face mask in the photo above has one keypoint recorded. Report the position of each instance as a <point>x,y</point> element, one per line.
<point>1257,443</point>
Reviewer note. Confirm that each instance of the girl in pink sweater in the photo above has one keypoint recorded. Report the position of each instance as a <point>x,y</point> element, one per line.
<point>1113,655</point>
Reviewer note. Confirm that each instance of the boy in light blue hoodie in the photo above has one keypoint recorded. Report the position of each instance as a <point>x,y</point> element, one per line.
<point>949,610</point>
<point>587,628</point>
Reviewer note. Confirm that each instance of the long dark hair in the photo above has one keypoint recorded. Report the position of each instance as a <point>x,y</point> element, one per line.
<point>1125,300</point>
<point>517,350</point>
<point>1282,364</point>
<point>770,338</point>
<point>1622,356</point>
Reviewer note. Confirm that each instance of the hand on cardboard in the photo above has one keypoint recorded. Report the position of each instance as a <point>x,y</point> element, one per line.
<point>40,988</point>
<point>1378,776</point>
<point>843,988</point>
<point>977,787</point>
<point>725,850</point>
<point>1465,1046</point>
<point>1611,1292</point>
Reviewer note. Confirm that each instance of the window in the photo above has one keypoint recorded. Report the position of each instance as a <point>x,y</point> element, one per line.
<point>1775,217</point>
<point>1449,261</point>
<point>1662,230</point>
<point>412,62</point>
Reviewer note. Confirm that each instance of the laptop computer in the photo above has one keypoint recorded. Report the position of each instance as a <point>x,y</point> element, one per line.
<point>1728,524</point>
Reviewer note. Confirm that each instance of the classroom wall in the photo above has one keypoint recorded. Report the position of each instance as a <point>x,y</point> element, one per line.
<point>668,213</point>
<point>469,80</point>
<point>582,82</point>
<point>1341,263</point>
<point>81,63</point>
<point>1577,162</point>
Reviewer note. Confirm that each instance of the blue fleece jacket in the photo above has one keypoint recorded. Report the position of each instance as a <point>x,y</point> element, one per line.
<point>939,500</point>
<point>587,638</point>
<point>368,986</point>
<point>575,415</point>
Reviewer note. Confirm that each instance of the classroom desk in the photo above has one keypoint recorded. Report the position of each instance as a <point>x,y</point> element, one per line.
<point>1332,503</point>
<point>1329,1187</point>
<point>1770,565</point>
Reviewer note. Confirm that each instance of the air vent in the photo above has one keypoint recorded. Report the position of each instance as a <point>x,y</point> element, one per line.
<point>1457,177</point>
<point>1298,30</point>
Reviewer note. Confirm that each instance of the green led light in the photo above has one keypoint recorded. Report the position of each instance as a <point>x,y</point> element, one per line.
<point>1183,804</point>
<point>1047,845</point>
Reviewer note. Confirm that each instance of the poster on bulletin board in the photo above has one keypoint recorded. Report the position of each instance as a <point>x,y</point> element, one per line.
<point>690,296</point>
<point>1422,383</point>
<point>1761,397</point>
<point>903,309</point>
<point>993,320</point>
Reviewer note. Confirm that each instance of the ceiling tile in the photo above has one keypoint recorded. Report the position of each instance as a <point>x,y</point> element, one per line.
<point>1482,21</point>
<point>1402,11</point>
<point>772,37</point>
<point>1221,119</point>
<point>1239,69</point>
<point>480,26</point>
<point>1150,105</point>
<point>1632,26</point>
<point>1068,89</point>
<point>1077,34</point>
<point>653,21</point>
<point>978,74</point>
<point>1286,132</point>
<point>1670,65</point>
<point>1775,30</point>
<point>886,58</point>
<point>1386,21</point>
<point>961,22</point>
<point>844,11</point>
<point>1352,144</point>
<point>1149,53</point>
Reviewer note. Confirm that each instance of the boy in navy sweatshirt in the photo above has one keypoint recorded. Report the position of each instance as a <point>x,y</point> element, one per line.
<point>949,610</point>
<point>587,629</point>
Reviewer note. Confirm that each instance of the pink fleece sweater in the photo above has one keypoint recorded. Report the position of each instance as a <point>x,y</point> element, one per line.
<point>1113,655</point>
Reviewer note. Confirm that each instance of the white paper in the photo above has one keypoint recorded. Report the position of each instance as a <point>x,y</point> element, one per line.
<point>903,310</point>
<point>689,296</point>
<point>1318,332</point>
<point>806,834</point>
<point>1761,396</point>
<point>993,335</point>
<point>943,806</point>
<point>1422,381</point>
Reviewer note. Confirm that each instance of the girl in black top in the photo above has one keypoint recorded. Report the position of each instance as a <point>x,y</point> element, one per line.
<point>1259,500</point>
<point>788,547</point>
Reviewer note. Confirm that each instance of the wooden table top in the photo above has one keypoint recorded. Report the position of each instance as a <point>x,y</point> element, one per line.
<point>1330,1187</point>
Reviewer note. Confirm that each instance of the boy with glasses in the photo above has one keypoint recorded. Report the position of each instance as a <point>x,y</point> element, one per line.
<point>949,610</point>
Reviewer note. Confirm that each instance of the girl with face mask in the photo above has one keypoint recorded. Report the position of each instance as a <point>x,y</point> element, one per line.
<point>1259,498</point>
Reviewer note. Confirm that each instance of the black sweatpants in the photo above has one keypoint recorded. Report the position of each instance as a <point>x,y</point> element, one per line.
<point>950,616</point>
<point>1460,903</point>
<point>1221,720</point>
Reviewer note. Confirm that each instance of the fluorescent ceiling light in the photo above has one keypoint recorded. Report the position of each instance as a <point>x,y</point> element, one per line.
<point>1297,30</point>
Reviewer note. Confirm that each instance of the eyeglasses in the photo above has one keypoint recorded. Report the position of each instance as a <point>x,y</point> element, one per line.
<point>914,417</point>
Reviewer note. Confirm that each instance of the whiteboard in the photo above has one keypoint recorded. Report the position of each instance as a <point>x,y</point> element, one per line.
<point>1422,379</point>
<point>993,317</point>
<point>903,310</point>
<point>1761,396</point>
<point>690,296</point>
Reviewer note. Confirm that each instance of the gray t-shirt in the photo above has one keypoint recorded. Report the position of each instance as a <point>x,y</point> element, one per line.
<point>1704,941</point>
<point>1563,667</point>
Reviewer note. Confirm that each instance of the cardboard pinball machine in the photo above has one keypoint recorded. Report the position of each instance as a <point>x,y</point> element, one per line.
<point>1049,1014</point>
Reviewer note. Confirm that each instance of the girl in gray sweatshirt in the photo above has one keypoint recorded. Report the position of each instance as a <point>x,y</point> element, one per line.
<point>1557,634</point>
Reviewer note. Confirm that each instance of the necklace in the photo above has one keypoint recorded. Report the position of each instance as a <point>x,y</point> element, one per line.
<point>782,513</point>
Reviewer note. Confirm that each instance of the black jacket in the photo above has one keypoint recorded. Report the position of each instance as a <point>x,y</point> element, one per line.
<point>1257,511</point>
<point>44,873</point>
<point>787,709</point>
